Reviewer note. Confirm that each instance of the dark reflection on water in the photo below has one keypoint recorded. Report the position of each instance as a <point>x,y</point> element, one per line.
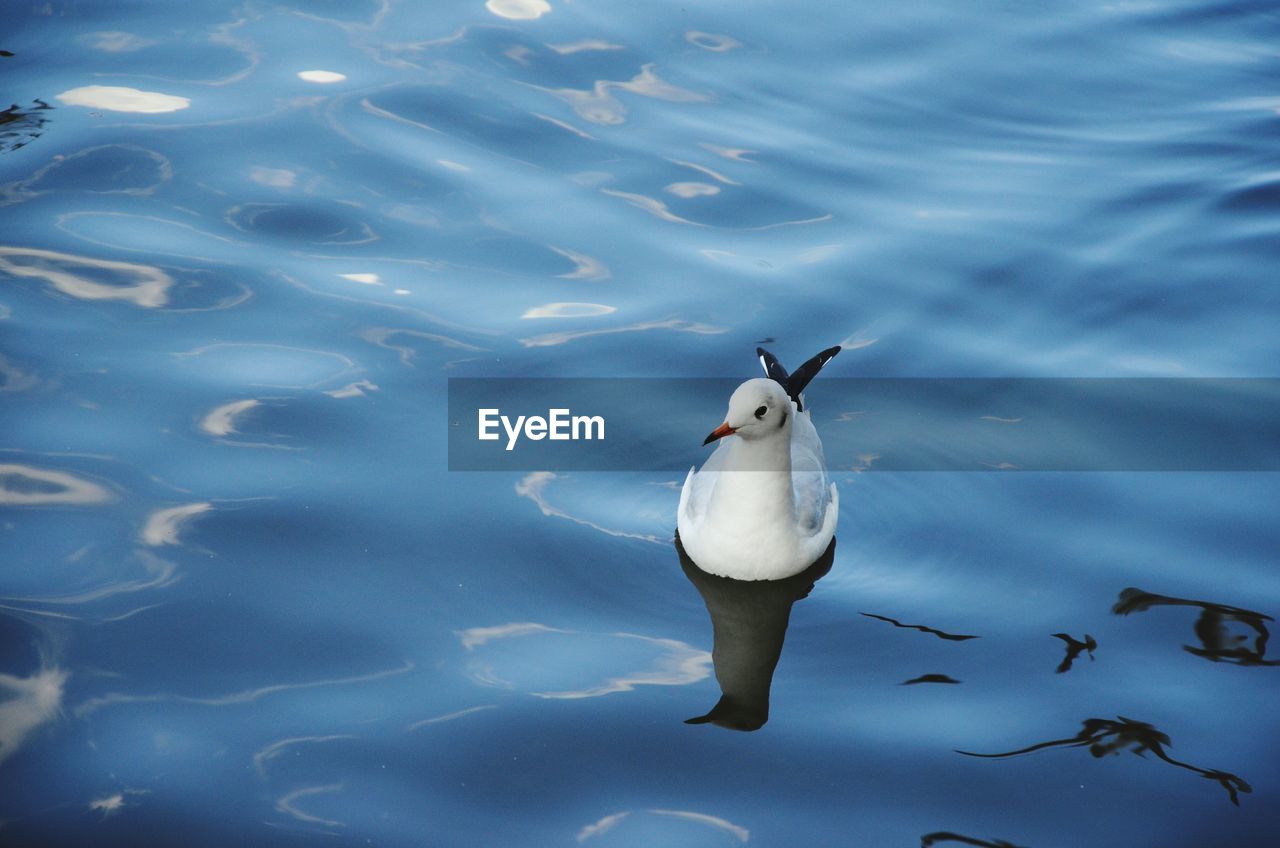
<point>930,839</point>
<point>1075,648</point>
<point>1105,736</point>
<point>20,125</point>
<point>950,637</point>
<point>930,678</point>
<point>1218,641</point>
<point>749,621</point>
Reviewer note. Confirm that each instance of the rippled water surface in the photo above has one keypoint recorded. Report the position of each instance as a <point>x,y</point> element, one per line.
<point>242,249</point>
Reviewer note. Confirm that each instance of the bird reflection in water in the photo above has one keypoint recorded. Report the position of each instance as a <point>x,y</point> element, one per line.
<point>1074,649</point>
<point>1213,628</point>
<point>950,637</point>
<point>930,678</point>
<point>1104,736</point>
<point>21,125</point>
<point>946,836</point>
<point>749,622</point>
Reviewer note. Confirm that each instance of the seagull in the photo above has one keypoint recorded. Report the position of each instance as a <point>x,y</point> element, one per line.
<point>762,507</point>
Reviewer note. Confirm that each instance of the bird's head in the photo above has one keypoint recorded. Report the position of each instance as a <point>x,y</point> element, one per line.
<point>758,409</point>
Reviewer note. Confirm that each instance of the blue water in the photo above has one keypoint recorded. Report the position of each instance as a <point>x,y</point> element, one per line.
<point>245,602</point>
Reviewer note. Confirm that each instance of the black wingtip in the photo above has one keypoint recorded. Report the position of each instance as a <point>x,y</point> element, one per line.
<point>796,383</point>
<point>772,367</point>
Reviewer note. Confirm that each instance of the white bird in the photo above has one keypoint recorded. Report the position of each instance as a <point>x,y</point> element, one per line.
<point>762,507</point>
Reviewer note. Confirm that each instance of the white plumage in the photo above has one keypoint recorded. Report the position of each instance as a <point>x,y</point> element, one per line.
<point>761,507</point>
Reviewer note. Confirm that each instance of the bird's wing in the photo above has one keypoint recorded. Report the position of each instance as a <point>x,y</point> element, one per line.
<point>686,493</point>
<point>772,367</point>
<point>794,383</point>
<point>806,372</point>
<point>699,484</point>
<point>813,490</point>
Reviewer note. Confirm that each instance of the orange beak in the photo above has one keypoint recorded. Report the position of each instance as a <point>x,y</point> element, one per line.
<point>719,433</point>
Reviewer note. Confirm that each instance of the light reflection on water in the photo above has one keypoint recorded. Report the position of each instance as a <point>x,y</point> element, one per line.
<point>242,251</point>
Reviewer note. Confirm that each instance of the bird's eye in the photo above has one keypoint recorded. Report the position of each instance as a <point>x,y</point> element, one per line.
<point>761,411</point>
